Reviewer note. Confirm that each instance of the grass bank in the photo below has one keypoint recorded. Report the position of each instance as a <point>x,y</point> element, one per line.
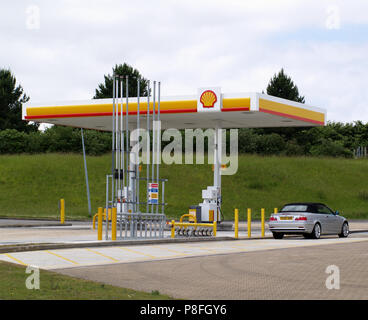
<point>55,286</point>
<point>31,185</point>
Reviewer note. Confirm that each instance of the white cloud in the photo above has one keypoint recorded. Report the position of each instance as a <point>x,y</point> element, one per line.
<point>235,44</point>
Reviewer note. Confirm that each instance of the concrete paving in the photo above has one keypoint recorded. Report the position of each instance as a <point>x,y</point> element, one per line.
<point>278,269</point>
<point>76,257</point>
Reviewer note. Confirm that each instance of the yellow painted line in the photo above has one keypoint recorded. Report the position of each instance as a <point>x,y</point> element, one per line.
<point>230,248</point>
<point>174,256</point>
<point>174,251</point>
<point>202,248</point>
<point>237,248</point>
<point>250,243</point>
<point>138,252</point>
<point>15,259</point>
<point>61,257</point>
<point>103,255</point>
<point>268,248</point>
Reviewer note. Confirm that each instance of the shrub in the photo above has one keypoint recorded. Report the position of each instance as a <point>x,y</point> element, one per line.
<point>12,141</point>
<point>270,144</point>
<point>293,148</point>
<point>34,142</point>
<point>329,148</point>
<point>62,139</point>
<point>247,141</point>
<point>97,143</point>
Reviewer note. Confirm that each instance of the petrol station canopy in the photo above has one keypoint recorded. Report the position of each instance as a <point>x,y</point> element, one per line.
<point>230,110</point>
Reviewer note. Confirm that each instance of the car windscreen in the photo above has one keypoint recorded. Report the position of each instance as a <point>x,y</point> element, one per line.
<point>294,208</point>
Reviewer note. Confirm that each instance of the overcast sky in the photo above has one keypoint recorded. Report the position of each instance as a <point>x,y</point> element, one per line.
<point>60,50</point>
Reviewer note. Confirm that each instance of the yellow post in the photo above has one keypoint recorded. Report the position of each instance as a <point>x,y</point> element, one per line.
<point>214,228</point>
<point>236,226</point>
<point>113,223</point>
<point>99,224</point>
<point>173,229</point>
<point>62,211</point>
<point>263,222</point>
<point>274,210</point>
<point>249,222</point>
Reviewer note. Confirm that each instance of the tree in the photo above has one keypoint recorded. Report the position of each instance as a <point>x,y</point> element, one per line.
<point>282,86</point>
<point>105,89</point>
<point>11,99</point>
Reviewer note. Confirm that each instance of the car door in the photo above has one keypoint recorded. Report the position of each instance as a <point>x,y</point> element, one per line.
<point>331,221</point>
<point>335,222</point>
<point>324,218</point>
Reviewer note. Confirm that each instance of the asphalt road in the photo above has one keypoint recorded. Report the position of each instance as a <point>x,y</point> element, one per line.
<point>291,272</point>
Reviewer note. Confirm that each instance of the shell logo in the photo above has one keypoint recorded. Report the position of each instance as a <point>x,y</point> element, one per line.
<point>208,99</point>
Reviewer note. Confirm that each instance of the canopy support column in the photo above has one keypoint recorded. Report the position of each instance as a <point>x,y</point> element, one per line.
<point>217,168</point>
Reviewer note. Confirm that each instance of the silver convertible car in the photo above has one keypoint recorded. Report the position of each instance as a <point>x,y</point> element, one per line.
<point>309,219</point>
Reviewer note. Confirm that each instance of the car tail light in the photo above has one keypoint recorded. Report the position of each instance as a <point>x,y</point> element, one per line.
<point>301,218</point>
<point>273,219</point>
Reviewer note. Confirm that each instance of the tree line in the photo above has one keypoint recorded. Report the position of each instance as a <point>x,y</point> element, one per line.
<point>333,140</point>
<point>17,136</point>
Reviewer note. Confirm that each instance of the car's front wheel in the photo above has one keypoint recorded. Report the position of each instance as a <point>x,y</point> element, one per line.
<point>277,235</point>
<point>316,233</point>
<point>344,230</point>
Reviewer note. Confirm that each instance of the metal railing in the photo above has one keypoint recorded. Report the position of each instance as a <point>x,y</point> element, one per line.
<point>141,225</point>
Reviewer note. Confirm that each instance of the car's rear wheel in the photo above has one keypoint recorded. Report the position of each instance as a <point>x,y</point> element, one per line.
<point>316,233</point>
<point>344,230</point>
<point>277,235</point>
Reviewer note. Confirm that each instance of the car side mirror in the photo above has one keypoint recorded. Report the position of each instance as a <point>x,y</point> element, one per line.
<point>336,213</point>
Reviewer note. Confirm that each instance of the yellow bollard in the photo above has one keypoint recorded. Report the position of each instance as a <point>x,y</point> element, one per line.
<point>214,228</point>
<point>62,211</point>
<point>236,223</point>
<point>99,224</point>
<point>263,222</point>
<point>275,210</point>
<point>172,229</point>
<point>113,223</point>
<point>249,222</point>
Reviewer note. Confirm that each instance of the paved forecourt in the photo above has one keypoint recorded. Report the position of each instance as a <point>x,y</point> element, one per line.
<point>79,257</point>
<point>299,272</point>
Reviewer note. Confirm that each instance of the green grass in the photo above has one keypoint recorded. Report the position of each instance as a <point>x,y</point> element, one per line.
<point>55,286</point>
<point>31,185</point>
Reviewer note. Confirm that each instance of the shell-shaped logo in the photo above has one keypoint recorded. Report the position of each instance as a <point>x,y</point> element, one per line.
<point>208,99</point>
